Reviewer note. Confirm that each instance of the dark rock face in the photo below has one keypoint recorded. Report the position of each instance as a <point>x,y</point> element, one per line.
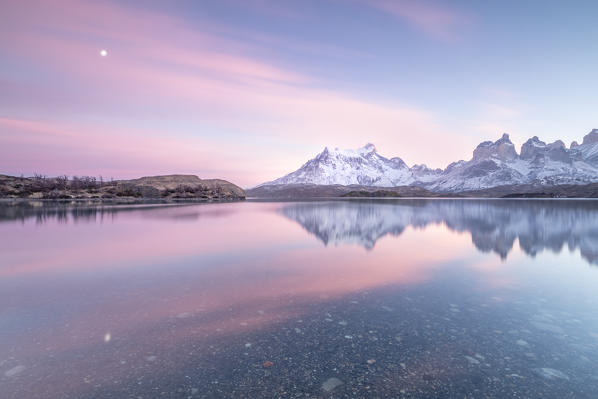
<point>532,148</point>
<point>480,169</point>
<point>502,149</point>
<point>454,166</point>
<point>537,151</point>
<point>591,137</point>
<point>422,171</point>
<point>558,152</point>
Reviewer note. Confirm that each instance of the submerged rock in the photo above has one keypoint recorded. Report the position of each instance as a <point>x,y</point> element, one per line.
<point>331,383</point>
<point>550,374</point>
<point>14,371</point>
<point>548,327</point>
<point>472,360</point>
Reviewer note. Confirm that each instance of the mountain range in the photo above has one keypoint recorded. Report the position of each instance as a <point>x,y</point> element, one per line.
<point>493,164</point>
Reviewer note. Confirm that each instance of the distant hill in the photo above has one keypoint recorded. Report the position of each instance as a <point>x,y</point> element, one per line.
<point>537,191</point>
<point>372,194</point>
<point>167,187</point>
<point>299,191</point>
<point>291,191</point>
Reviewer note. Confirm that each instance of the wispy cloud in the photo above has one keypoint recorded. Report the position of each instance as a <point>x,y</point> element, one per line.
<point>193,85</point>
<point>437,20</point>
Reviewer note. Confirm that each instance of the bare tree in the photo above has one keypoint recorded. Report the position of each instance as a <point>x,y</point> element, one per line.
<point>62,182</point>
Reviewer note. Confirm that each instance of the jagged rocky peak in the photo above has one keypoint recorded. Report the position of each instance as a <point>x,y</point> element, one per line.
<point>574,144</point>
<point>423,168</point>
<point>362,166</point>
<point>368,148</point>
<point>398,163</point>
<point>556,144</point>
<point>591,137</point>
<point>368,151</point>
<point>502,149</point>
<point>420,168</point>
<point>454,165</point>
<point>557,151</point>
<point>324,154</point>
<point>532,148</point>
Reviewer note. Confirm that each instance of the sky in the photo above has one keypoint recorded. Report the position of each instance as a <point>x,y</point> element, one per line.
<point>249,90</point>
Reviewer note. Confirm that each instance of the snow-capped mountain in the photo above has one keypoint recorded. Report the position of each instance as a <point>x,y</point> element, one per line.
<point>493,164</point>
<point>363,166</point>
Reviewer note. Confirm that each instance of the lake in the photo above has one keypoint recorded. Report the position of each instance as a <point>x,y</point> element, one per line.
<point>342,298</point>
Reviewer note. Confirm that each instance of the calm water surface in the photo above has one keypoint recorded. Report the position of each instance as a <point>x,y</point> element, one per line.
<point>387,298</point>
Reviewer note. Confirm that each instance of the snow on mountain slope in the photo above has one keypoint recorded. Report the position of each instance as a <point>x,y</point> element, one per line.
<point>363,166</point>
<point>493,164</point>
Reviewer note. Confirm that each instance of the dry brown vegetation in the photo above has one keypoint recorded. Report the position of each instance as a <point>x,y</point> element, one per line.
<point>63,187</point>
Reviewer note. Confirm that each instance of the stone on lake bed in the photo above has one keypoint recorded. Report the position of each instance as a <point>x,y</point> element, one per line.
<point>551,374</point>
<point>521,342</point>
<point>548,327</point>
<point>14,371</point>
<point>331,383</point>
<point>472,360</point>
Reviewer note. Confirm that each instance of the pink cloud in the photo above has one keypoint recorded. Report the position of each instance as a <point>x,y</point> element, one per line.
<point>160,71</point>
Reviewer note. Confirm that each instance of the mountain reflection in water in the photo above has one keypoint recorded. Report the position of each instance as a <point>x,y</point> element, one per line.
<point>494,225</point>
<point>241,300</point>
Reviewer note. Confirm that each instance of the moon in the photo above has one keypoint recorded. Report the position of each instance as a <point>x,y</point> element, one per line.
<point>103,53</point>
